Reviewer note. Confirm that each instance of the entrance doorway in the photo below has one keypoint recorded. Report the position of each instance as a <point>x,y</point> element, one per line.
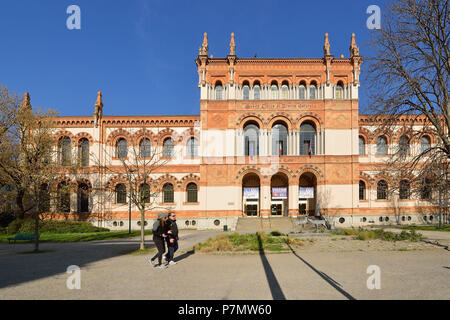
<point>251,195</point>
<point>307,194</point>
<point>279,186</point>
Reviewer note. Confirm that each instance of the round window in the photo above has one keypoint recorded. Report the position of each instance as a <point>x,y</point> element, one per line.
<point>387,219</point>
<point>217,222</point>
<point>115,224</point>
<point>341,220</point>
<point>403,218</point>
<point>364,219</point>
<point>409,218</point>
<point>121,223</point>
<point>193,223</point>
<point>187,222</point>
<point>138,223</point>
<point>431,218</point>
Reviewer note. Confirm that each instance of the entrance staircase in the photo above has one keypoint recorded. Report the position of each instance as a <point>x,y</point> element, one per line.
<point>282,224</point>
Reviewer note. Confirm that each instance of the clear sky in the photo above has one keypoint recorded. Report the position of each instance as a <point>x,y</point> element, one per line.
<point>138,51</point>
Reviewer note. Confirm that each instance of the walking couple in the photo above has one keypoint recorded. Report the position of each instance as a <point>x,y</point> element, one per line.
<point>165,229</point>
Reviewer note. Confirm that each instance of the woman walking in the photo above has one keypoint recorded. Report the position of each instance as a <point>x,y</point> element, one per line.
<point>158,238</point>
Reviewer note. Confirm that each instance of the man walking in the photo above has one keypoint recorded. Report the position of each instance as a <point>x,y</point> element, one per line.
<point>172,238</point>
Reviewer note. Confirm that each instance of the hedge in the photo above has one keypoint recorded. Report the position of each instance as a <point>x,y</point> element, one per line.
<point>53,226</point>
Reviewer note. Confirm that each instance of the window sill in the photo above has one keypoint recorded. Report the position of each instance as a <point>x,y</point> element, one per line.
<point>122,159</point>
<point>382,200</point>
<point>167,204</point>
<point>191,203</point>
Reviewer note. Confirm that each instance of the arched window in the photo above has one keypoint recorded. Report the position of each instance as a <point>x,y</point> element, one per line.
<point>279,139</point>
<point>83,198</point>
<point>65,151</point>
<point>302,92</point>
<point>313,91</point>
<point>425,144</point>
<point>145,193</point>
<point>219,91</point>
<point>168,146</point>
<point>307,139</point>
<point>381,146</point>
<point>121,193</point>
<point>63,197</point>
<point>403,146</point>
<point>362,146</point>
<point>246,92</point>
<point>284,92</point>
<point>83,152</point>
<point>44,198</point>
<point>382,190</point>
<point>251,139</point>
<point>168,194</point>
<point>256,92</point>
<point>274,91</point>
<point>404,190</point>
<point>362,190</point>
<point>339,91</point>
<point>192,148</point>
<point>144,148</point>
<point>425,190</point>
<point>122,148</point>
<point>192,193</point>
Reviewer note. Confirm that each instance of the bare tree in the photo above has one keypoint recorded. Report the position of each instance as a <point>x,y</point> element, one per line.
<point>139,161</point>
<point>408,80</point>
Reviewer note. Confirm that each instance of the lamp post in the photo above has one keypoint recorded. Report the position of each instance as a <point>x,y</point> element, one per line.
<point>129,199</point>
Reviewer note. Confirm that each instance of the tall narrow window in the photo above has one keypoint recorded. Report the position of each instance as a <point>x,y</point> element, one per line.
<point>403,146</point>
<point>279,140</point>
<point>192,193</point>
<point>122,148</point>
<point>63,197</point>
<point>313,92</point>
<point>307,139</point>
<point>404,190</point>
<point>302,92</point>
<point>382,190</point>
<point>256,92</point>
<point>251,139</point>
<point>192,148</point>
<point>44,198</point>
<point>362,190</point>
<point>83,198</point>
<point>246,92</point>
<point>425,144</point>
<point>145,193</point>
<point>274,92</point>
<point>168,194</point>
<point>168,148</point>
<point>219,91</point>
<point>339,91</point>
<point>65,151</point>
<point>362,145</point>
<point>144,148</point>
<point>381,146</point>
<point>83,152</point>
<point>121,193</point>
<point>284,92</point>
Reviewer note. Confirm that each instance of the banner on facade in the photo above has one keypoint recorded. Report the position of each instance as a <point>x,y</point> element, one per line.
<point>251,193</point>
<point>306,193</point>
<point>279,193</point>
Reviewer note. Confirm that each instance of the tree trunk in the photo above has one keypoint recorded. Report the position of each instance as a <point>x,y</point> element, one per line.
<point>19,203</point>
<point>142,247</point>
<point>36,221</point>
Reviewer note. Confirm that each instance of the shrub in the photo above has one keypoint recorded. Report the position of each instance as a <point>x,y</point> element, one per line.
<point>6,219</point>
<point>14,226</point>
<point>276,234</point>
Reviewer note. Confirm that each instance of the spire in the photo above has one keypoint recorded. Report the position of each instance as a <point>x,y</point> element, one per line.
<point>204,50</point>
<point>326,46</point>
<point>232,45</point>
<point>354,50</point>
<point>26,103</point>
<point>98,113</point>
<point>99,101</point>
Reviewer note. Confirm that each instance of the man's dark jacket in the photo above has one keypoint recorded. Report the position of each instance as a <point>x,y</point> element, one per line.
<point>171,225</point>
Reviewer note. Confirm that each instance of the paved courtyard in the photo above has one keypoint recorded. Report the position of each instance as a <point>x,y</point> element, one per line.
<point>108,273</point>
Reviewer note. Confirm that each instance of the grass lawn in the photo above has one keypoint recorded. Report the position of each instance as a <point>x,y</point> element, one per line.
<point>79,237</point>
<point>248,243</point>
<point>428,228</point>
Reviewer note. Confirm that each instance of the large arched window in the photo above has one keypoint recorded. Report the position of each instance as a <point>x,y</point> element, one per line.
<point>44,198</point>
<point>279,139</point>
<point>381,146</point>
<point>192,194</point>
<point>251,139</point>
<point>404,190</point>
<point>403,146</point>
<point>122,148</point>
<point>63,193</point>
<point>382,190</point>
<point>168,146</point>
<point>144,148</point>
<point>340,91</point>
<point>425,144</point>
<point>83,198</point>
<point>257,91</point>
<point>65,151</point>
<point>246,92</point>
<point>362,146</point>
<point>362,190</point>
<point>313,91</point>
<point>145,193</point>
<point>307,139</point>
<point>302,92</point>
<point>168,194</point>
<point>219,91</point>
<point>274,91</point>
<point>121,193</point>
<point>192,148</point>
<point>83,152</point>
<point>284,91</point>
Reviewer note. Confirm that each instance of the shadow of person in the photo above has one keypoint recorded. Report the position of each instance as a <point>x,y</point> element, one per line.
<point>184,255</point>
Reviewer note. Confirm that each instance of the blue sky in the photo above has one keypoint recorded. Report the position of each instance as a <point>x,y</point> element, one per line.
<point>137,51</point>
